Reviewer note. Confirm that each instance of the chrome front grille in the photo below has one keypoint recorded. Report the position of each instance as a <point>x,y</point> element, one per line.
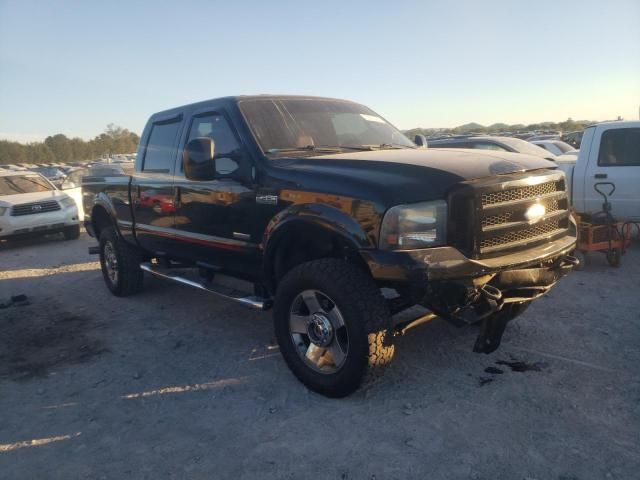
<point>525,235</point>
<point>520,193</point>
<point>505,220</point>
<point>507,217</point>
<point>34,208</point>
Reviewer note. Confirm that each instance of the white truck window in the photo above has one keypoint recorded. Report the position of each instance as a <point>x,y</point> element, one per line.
<point>620,148</point>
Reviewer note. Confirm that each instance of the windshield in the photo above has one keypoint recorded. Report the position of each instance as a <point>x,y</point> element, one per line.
<point>13,184</point>
<point>310,124</point>
<point>564,147</point>
<point>522,146</point>
<point>50,171</point>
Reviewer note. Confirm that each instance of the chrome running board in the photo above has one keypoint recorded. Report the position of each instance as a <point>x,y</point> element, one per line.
<point>234,295</point>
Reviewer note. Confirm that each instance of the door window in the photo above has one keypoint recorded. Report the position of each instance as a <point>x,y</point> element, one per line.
<point>228,151</point>
<point>161,148</point>
<point>620,148</point>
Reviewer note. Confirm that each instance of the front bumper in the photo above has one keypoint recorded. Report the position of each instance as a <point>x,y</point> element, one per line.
<point>40,223</point>
<point>448,263</point>
<point>465,291</point>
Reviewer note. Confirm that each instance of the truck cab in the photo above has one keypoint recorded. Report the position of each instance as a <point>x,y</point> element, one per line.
<point>609,152</point>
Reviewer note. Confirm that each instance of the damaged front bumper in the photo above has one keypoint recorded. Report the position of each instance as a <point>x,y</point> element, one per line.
<point>448,263</point>
<point>465,291</point>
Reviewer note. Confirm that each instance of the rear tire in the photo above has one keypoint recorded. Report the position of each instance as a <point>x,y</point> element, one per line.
<point>351,313</point>
<point>72,232</point>
<point>120,264</point>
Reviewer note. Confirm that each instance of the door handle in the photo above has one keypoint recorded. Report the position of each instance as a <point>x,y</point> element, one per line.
<point>600,175</point>
<point>178,197</point>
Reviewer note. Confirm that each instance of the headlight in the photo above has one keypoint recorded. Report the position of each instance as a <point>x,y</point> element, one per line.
<point>2,210</point>
<point>68,202</point>
<point>419,225</point>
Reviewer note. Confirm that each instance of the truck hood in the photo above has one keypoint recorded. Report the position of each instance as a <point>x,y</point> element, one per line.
<point>9,200</point>
<point>405,175</point>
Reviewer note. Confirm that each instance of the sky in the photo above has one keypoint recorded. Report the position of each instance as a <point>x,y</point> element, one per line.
<point>73,67</point>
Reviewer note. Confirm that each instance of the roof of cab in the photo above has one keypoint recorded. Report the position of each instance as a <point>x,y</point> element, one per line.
<point>236,99</point>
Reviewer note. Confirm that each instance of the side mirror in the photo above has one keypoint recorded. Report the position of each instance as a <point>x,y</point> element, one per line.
<point>420,141</point>
<point>197,159</point>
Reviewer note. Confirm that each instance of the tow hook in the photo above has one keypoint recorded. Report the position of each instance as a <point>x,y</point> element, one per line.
<point>491,293</point>
<point>492,326</point>
<point>569,262</point>
<point>491,331</point>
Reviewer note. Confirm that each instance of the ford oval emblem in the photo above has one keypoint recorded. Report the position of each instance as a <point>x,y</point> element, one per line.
<point>535,213</point>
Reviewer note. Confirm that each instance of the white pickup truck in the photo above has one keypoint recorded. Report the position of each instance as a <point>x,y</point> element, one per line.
<point>610,152</point>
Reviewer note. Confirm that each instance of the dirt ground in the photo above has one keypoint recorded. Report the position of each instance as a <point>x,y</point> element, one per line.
<point>174,383</point>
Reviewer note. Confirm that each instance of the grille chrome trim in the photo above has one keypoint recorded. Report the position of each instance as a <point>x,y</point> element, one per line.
<point>519,193</point>
<point>505,227</point>
<point>525,201</point>
<point>540,232</point>
<point>488,216</point>
<point>34,208</point>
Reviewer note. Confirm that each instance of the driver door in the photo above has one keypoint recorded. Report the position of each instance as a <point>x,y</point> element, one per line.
<point>214,219</point>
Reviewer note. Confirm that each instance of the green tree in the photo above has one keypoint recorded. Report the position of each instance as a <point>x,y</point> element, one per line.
<point>60,146</point>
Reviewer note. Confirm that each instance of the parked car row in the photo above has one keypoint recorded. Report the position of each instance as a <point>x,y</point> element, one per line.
<point>46,200</point>
<point>486,142</point>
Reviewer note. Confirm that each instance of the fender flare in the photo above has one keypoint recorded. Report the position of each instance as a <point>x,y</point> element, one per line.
<point>324,217</point>
<point>103,202</point>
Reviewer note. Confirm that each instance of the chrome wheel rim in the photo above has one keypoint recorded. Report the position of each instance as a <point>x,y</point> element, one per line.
<point>111,262</point>
<point>318,331</point>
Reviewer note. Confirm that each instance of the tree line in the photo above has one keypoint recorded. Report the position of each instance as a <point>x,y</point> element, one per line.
<point>60,148</point>
<point>568,125</point>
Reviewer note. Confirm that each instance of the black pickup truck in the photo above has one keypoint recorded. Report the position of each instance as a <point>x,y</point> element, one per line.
<point>328,213</point>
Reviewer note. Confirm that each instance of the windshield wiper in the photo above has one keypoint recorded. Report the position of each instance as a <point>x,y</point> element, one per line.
<point>322,148</point>
<point>337,148</point>
<point>389,146</point>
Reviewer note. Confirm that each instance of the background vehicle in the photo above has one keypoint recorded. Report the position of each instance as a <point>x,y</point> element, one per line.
<point>573,138</point>
<point>543,136</point>
<point>610,153</point>
<point>320,204</point>
<point>556,147</point>
<point>504,144</point>
<point>31,205</point>
<point>54,174</point>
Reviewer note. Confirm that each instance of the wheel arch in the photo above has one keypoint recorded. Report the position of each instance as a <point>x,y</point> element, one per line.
<point>309,232</point>
<point>103,215</point>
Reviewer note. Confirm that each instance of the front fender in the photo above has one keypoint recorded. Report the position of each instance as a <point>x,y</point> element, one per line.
<point>323,216</point>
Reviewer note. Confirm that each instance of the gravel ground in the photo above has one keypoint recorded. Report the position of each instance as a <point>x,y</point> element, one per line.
<point>173,383</point>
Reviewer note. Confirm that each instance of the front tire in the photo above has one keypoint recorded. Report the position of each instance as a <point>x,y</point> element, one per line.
<point>120,264</point>
<point>332,323</point>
